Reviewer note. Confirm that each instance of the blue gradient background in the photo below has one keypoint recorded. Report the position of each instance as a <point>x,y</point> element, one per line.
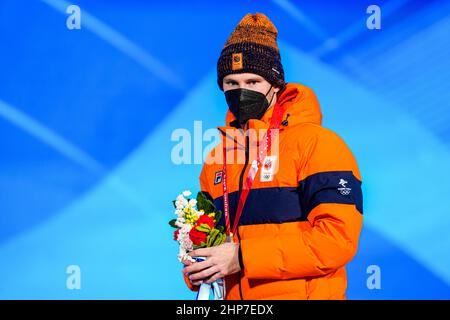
<point>86,118</point>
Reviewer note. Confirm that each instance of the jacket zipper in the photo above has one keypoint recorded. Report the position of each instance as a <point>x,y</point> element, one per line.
<point>241,181</point>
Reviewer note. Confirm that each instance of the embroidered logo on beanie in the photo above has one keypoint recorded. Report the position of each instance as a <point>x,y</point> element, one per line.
<point>236,63</point>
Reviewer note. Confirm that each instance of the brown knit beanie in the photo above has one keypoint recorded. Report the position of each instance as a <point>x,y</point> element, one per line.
<point>252,47</point>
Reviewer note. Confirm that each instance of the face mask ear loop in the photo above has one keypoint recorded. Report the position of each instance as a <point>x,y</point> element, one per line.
<point>272,95</point>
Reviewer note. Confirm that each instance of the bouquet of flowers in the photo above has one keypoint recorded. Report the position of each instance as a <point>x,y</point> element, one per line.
<point>197,227</point>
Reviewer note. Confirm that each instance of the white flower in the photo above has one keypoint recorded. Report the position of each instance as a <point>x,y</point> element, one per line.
<point>178,204</point>
<point>199,213</point>
<point>187,193</point>
<point>187,244</point>
<point>186,228</point>
<point>183,206</point>
<point>179,223</point>
<point>183,255</point>
<point>181,203</point>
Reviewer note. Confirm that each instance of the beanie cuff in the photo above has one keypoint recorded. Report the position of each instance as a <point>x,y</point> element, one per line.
<point>256,58</point>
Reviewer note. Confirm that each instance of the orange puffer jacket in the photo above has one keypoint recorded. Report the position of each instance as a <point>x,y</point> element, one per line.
<point>301,223</point>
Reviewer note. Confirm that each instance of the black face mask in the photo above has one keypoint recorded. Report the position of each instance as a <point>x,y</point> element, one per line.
<point>247,104</point>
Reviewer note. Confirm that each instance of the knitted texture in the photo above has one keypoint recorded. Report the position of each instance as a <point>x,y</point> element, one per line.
<point>252,48</point>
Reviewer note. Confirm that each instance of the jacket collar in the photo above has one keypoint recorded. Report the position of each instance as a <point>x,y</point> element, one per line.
<point>299,103</point>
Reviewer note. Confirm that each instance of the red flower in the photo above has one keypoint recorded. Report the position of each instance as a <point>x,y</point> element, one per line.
<point>207,220</point>
<point>197,237</point>
<point>175,234</point>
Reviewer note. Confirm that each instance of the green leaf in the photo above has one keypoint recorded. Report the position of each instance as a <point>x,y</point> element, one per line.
<point>208,240</point>
<point>219,239</point>
<point>220,228</point>
<point>203,228</point>
<point>204,204</point>
<point>172,223</point>
<point>212,237</point>
<point>217,216</point>
<point>174,205</point>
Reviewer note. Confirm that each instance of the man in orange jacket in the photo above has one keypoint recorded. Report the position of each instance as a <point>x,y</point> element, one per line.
<point>296,202</point>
